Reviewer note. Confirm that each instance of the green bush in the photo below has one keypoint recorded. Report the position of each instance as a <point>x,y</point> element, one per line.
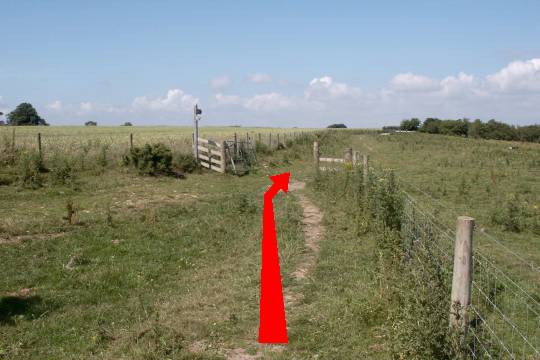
<point>62,171</point>
<point>151,159</point>
<point>508,216</point>
<point>29,171</point>
<point>185,163</point>
<point>102,160</point>
<point>262,148</point>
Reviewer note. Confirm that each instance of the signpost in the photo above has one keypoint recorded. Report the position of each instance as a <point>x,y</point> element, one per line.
<point>197,112</point>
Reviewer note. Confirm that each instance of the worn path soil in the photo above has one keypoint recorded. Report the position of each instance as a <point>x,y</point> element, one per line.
<point>313,230</point>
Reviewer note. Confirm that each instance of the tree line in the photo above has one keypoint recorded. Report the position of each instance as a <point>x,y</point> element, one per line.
<point>26,115</point>
<point>474,129</point>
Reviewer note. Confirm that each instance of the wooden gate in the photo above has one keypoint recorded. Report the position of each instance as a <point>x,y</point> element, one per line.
<point>212,155</point>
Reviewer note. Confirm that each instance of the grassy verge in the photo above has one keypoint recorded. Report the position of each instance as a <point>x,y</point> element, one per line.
<point>150,268</point>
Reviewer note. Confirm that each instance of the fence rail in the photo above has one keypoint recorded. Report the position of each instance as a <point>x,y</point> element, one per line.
<point>212,155</point>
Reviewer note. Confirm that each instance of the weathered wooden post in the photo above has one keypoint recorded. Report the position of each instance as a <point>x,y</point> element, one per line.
<point>39,146</point>
<point>347,155</point>
<point>270,141</point>
<point>278,140</point>
<point>355,158</point>
<point>131,142</point>
<point>316,155</point>
<point>13,141</point>
<point>235,144</point>
<point>284,139</point>
<point>365,173</point>
<point>462,275</point>
<point>223,157</point>
<point>259,137</point>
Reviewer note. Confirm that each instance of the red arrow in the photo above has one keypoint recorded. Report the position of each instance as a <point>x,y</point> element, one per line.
<point>272,323</point>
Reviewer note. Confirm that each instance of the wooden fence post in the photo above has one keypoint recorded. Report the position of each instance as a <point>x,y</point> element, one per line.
<point>259,136</point>
<point>347,155</point>
<point>355,158</point>
<point>131,141</point>
<point>270,141</point>
<point>316,155</point>
<point>462,275</point>
<point>39,145</point>
<point>235,144</point>
<point>223,157</point>
<point>284,139</point>
<point>278,140</point>
<point>365,172</point>
<point>13,141</point>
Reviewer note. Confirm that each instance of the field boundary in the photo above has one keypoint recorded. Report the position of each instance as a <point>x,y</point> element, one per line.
<point>497,314</point>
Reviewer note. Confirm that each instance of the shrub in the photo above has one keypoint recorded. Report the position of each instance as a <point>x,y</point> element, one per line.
<point>508,216</point>
<point>102,160</point>
<point>62,172</point>
<point>151,159</point>
<point>262,148</point>
<point>185,163</point>
<point>30,168</point>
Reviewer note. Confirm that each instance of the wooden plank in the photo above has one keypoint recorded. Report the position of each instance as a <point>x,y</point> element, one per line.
<point>210,142</point>
<point>202,148</point>
<point>324,168</point>
<point>206,165</point>
<point>204,157</point>
<point>215,152</point>
<point>217,162</point>
<point>331,160</point>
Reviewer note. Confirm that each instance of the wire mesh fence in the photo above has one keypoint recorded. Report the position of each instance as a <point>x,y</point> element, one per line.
<point>504,315</point>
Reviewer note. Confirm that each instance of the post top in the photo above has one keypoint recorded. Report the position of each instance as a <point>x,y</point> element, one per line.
<point>465,218</point>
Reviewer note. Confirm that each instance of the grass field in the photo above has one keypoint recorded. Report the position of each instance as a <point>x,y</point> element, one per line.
<point>116,139</point>
<point>496,182</point>
<point>159,268</point>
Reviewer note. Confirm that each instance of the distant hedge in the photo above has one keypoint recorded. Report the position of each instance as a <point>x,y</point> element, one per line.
<point>477,129</point>
<point>337,126</point>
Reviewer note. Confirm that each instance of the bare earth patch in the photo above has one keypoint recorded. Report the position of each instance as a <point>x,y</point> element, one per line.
<point>313,230</point>
<point>21,238</point>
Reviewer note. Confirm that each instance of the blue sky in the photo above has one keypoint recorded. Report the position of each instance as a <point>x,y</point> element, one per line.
<point>279,63</point>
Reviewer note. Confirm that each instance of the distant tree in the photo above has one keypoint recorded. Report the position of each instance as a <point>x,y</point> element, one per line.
<point>390,128</point>
<point>25,114</point>
<point>90,123</point>
<point>529,133</point>
<point>337,126</point>
<point>127,123</point>
<point>410,125</point>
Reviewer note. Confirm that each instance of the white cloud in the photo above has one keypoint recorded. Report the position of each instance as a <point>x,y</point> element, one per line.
<point>175,101</point>
<point>510,94</point>
<point>412,82</point>
<point>55,105</point>
<point>518,75</point>
<point>221,82</point>
<point>85,107</point>
<point>268,102</point>
<point>326,88</point>
<point>222,99</point>
<point>259,78</point>
<point>257,103</point>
